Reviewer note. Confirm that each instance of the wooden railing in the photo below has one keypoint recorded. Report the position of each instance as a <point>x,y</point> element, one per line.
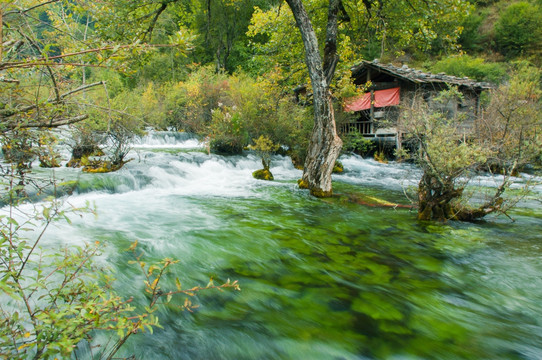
<point>363,127</point>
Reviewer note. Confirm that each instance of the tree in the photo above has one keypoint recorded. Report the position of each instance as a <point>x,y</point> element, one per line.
<point>447,159</point>
<point>325,144</point>
<point>505,139</point>
<point>517,32</point>
<point>220,25</point>
<point>366,30</point>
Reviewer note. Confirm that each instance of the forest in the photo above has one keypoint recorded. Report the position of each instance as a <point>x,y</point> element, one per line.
<point>182,179</point>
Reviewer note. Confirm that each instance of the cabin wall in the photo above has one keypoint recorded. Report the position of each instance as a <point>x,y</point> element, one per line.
<point>384,121</point>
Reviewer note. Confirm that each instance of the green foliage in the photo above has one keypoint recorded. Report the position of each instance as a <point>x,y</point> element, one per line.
<point>51,300</point>
<point>448,159</point>
<point>227,110</point>
<point>512,122</point>
<point>471,38</point>
<point>355,142</point>
<point>474,68</point>
<point>391,29</point>
<point>518,32</point>
<point>264,147</point>
<point>227,131</point>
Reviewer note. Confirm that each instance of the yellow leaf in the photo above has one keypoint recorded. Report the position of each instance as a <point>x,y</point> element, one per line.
<point>154,283</point>
<point>178,284</point>
<point>133,246</point>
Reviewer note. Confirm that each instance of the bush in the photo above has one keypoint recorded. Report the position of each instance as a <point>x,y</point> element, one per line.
<point>471,38</point>
<point>506,138</point>
<point>474,68</point>
<point>518,31</point>
<point>355,142</point>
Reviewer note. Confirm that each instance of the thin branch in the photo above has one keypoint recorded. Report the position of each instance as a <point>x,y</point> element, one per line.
<point>27,65</point>
<point>2,79</point>
<point>154,20</point>
<point>31,8</point>
<point>44,124</point>
<point>12,64</point>
<point>12,112</point>
<point>81,88</point>
<point>52,76</point>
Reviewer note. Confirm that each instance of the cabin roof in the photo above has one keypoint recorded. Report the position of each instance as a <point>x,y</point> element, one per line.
<point>416,76</point>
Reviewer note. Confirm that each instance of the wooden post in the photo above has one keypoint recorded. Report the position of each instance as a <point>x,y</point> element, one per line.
<point>372,112</point>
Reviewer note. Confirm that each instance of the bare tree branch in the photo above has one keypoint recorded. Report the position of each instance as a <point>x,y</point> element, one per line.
<point>31,8</point>
<point>10,112</point>
<point>44,124</point>
<point>13,64</point>
<point>149,31</point>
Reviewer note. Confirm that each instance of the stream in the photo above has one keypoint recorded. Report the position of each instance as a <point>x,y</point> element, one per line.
<point>320,278</point>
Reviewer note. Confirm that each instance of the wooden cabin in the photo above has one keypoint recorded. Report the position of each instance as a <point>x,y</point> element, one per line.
<point>375,113</point>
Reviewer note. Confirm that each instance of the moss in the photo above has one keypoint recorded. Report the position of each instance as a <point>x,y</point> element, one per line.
<point>338,168</point>
<point>49,162</point>
<point>321,193</point>
<point>380,157</point>
<point>302,184</point>
<point>84,160</point>
<point>263,174</point>
<point>102,166</point>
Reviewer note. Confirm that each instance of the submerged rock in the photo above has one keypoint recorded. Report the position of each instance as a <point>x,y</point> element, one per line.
<point>103,166</point>
<point>338,168</point>
<point>49,161</point>
<point>263,174</point>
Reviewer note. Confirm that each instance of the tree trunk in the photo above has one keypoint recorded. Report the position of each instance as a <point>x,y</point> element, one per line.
<point>441,201</point>
<point>325,145</point>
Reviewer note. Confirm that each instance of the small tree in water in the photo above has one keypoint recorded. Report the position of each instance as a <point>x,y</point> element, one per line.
<point>451,156</point>
<point>264,147</point>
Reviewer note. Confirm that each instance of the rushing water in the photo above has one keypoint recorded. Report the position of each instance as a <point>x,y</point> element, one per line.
<point>320,279</point>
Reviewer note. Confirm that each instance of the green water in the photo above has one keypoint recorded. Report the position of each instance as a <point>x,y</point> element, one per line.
<point>320,279</point>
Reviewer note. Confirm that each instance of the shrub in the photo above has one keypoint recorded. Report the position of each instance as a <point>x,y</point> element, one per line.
<point>518,32</point>
<point>474,68</point>
<point>356,143</point>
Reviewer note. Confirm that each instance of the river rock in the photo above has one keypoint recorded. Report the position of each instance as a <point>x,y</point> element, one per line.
<point>263,174</point>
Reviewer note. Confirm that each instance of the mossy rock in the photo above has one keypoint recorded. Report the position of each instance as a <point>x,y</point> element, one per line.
<point>338,168</point>
<point>102,166</point>
<point>49,162</point>
<point>263,174</point>
<point>74,163</point>
<point>82,161</point>
<point>314,192</point>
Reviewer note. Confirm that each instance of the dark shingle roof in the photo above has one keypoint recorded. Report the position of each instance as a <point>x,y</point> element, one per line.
<point>418,76</point>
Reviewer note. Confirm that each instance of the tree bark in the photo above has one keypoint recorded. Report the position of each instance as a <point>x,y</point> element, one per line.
<point>325,145</point>
<point>441,201</point>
